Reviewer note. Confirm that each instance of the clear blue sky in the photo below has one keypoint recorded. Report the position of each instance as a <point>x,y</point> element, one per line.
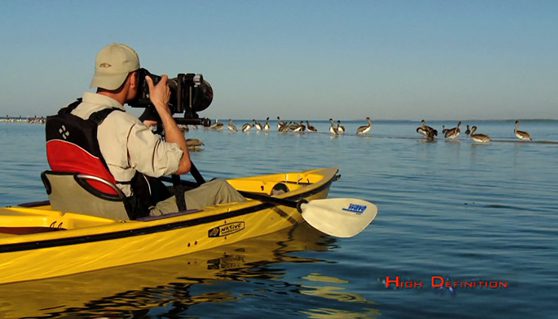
<point>298,59</point>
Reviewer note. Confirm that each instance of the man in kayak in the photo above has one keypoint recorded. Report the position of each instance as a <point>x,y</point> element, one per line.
<point>131,151</point>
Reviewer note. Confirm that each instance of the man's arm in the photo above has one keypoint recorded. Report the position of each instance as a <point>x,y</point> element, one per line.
<point>159,95</point>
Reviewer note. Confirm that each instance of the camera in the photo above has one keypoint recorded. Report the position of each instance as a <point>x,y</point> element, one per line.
<point>190,94</point>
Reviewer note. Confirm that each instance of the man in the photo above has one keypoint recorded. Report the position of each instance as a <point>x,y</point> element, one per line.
<point>128,147</point>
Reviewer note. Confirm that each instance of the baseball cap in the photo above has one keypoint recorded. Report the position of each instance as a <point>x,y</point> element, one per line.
<point>112,65</point>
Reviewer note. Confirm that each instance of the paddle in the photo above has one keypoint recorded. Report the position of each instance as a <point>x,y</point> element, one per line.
<point>339,217</point>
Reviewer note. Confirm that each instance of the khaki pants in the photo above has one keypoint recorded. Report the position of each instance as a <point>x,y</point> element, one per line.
<point>208,194</point>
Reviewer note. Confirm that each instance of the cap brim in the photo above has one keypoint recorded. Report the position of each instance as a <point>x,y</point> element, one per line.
<point>108,81</point>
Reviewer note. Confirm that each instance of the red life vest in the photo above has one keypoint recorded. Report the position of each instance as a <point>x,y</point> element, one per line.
<point>72,147</point>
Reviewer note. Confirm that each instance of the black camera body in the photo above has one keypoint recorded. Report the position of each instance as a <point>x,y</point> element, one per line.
<point>190,94</point>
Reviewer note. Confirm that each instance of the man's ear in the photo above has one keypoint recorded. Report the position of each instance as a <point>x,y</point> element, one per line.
<point>133,78</point>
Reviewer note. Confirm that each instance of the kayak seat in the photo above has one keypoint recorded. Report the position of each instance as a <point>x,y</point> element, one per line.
<point>72,192</point>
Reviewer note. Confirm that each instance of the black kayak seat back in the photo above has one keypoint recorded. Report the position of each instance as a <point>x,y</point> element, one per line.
<point>72,192</point>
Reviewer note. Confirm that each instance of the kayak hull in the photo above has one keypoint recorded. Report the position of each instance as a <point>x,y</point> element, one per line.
<point>89,243</point>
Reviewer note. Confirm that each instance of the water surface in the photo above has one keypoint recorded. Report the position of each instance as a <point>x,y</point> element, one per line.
<point>460,210</point>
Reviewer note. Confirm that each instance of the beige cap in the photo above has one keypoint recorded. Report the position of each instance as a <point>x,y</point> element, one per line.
<point>112,65</point>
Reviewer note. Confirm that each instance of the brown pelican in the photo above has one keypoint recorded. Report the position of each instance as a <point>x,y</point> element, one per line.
<point>426,130</point>
<point>280,123</point>
<point>246,127</point>
<point>332,128</point>
<point>522,135</point>
<point>194,144</point>
<point>479,138</point>
<point>310,127</point>
<point>299,127</point>
<point>363,130</point>
<point>266,125</point>
<point>453,133</point>
<point>257,125</point>
<point>216,126</point>
<point>340,128</point>
<point>231,126</point>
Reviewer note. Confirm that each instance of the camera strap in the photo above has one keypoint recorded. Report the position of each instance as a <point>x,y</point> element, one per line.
<point>178,192</point>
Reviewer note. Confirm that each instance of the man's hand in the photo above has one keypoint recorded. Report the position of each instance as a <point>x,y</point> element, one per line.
<point>159,94</point>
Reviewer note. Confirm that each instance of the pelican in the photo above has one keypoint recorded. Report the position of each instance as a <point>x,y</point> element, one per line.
<point>299,127</point>
<point>363,130</point>
<point>216,126</point>
<point>257,125</point>
<point>522,135</point>
<point>333,129</point>
<point>266,126</point>
<point>310,127</point>
<point>340,128</point>
<point>280,123</point>
<point>453,133</point>
<point>426,130</point>
<point>194,144</point>
<point>246,127</point>
<point>231,126</point>
<point>479,138</point>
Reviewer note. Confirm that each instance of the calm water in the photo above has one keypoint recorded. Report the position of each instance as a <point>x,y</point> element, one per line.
<point>458,210</point>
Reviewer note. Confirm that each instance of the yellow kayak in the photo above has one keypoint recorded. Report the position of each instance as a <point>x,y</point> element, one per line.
<point>37,242</point>
<point>122,287</point>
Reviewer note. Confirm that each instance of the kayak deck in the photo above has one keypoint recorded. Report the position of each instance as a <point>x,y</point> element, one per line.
<point>19,220</point>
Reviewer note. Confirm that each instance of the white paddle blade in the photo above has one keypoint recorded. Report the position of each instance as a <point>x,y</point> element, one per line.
<point>339,217</point>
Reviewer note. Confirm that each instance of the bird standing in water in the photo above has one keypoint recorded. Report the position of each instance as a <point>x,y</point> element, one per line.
<point>310,128</point>
<point>266,126</point>
<point>426,130</point>
<point>363,130</point>
<point>453,133</point>
<point>479,138</point>
<point>333,128</point>
<point>340,128</point>
<point>522,135</point>
<point>246,127</point>
<point>231,126</point>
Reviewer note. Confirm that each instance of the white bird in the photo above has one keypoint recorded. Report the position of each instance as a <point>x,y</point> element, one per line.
<point>231,126</point>
<point>522,135</point>
<point>217,125</point>
<point>299,127</point>
<point>363,130</point>
<point>246,127</point>
<point>257,125</point>
<point>340,128</point>
<point>479,138</point>
<point>280,124</point>
<point>266,125</point>
<point>332,128</point>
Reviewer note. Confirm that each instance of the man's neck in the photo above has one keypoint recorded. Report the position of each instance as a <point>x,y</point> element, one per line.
<point>119,97</point>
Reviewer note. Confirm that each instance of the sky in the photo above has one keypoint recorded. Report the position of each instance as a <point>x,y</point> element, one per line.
<point>298,59</point>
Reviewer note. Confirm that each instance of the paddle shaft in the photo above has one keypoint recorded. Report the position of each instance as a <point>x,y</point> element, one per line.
<point>275,200</point>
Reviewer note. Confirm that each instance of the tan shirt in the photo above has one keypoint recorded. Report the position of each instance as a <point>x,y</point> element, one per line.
<point>127,144</point>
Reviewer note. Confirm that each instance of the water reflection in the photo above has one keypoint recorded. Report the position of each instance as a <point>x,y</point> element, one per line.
<point>174,285</point>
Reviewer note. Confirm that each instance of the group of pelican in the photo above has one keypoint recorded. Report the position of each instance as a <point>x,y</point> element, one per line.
<point>298,127</point>
<point>453,133</point>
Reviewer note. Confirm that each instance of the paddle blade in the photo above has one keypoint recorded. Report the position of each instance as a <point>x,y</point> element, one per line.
<point>339,217</point>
